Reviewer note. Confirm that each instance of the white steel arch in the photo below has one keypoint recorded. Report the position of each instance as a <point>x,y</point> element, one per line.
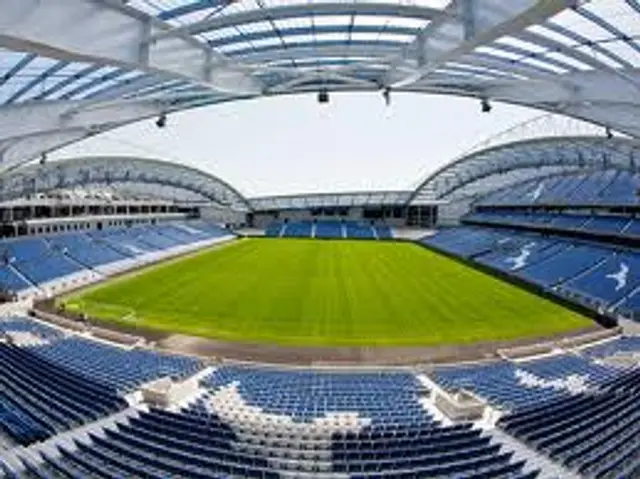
<point>482,170</point>
<point>106,171</point>
<point>116,62</point>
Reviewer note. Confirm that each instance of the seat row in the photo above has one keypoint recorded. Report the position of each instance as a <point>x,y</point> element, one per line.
<point>605,187</point>
<point>123,370</point>
<point>596,433</point>
<point>512,385</point>
<point>178,444</point>
<point>624,226</point>
<point>38,399</point>
<point>327,229</point>
<point>600,276</point>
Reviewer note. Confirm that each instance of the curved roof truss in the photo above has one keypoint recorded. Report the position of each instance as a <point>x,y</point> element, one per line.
<point>117,170</point>
<point>485,170</point>
<point>330,200</point>
<point>580,59</point>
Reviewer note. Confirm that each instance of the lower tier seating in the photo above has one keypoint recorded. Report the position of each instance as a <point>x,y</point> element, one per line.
<point>305,395</point>
<point>601,276</point>
<point>328,229</point>
<point>613,347</point>
<point>18,324</point>
<point>39,399</point>
<point>344,433</point>
<point>263,422</point>
<point>33,262</point>
<point>121,369</point>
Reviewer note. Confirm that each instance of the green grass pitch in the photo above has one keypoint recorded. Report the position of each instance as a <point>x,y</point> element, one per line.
<point>329,293</point>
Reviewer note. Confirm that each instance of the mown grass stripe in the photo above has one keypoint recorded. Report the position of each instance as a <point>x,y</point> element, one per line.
<point>328,293</point>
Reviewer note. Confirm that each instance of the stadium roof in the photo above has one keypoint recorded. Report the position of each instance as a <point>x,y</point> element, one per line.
<point>146,177</point>
<point>75,68</point>
<point>475,174</point>
<point>330,200</point>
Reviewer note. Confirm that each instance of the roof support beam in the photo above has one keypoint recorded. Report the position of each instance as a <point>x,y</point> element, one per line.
<point>107,32</point>
<point>536,153</point>
<point>26,119</point>
<point>100,170</point>
<point>467,25</point>
<point>29,129</point>
<point>309,10</point>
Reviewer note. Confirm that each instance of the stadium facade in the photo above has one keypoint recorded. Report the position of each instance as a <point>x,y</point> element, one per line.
<point>554,212</point>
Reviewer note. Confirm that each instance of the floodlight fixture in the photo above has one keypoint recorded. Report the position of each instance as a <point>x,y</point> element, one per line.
<point>161,122</point>
<point>485,105</point>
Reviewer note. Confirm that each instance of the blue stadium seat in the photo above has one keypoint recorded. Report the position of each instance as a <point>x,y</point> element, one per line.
<point>38,399</point>
<point>608,187</point>
<point>49,267</point>
<point>18,324</point>
<point>623,344</point>
<point>565,265</point>
<point>595,433</point>
<point>273,229</point>
<point>11,281</point>
<point>84,250</point>
<point>298,229</point>
<point>515,385</point>
<point>328,229</point>
<point>36,261</point>
<point>121,369</point>
<point>608,283</point>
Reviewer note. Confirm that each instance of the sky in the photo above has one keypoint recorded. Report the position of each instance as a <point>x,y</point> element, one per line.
<point>292,144</point>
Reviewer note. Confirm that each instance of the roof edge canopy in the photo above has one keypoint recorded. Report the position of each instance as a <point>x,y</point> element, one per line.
<point>117,171</point>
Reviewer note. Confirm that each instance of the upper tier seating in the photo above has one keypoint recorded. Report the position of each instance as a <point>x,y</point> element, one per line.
<point>23,249</point>
<point>121,369</point>
<point>618,225</point>
<point>610,187</point>
<point>597,433</point>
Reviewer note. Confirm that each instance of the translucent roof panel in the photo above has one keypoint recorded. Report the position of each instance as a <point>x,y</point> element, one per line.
<point>159,56</point>
<point>350,199</point>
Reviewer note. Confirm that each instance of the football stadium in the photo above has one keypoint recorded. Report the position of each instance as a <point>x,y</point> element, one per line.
<point>157,320</point>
